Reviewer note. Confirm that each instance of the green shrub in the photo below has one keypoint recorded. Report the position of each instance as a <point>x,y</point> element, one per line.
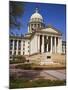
<point>24,66</point>
<point>18,59</point>
<point>37,68</point>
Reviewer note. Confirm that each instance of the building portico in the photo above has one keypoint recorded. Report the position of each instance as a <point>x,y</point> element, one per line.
<point>51,44</point>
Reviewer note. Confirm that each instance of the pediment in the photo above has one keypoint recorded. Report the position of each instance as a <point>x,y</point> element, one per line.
<point>51,30</point>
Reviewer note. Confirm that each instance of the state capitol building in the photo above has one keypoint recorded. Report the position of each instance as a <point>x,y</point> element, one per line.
<point>40,39</point>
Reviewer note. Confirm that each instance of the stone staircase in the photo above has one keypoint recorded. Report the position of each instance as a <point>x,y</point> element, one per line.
<point>59,58</point>
<point>42,58</point>
<point>36,58</point>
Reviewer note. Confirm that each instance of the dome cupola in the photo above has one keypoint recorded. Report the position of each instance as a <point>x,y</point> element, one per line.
<point>36,22</point>
<point>36,17</point>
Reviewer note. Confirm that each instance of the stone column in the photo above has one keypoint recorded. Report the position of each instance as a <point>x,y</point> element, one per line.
<point>17,48</point>
<point>47,43</point>
<point>38,42</point>
<point>51,44</point>
<point>40,25</point>
<point>42,43</point>
<point>59,45</point>
<point>30,28</point>
<point>22,47</point>
<point>37,26</point>
<point>13,48</point>
<point>55,44</point>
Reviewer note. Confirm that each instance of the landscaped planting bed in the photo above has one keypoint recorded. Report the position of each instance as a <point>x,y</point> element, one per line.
<point>38,67</point>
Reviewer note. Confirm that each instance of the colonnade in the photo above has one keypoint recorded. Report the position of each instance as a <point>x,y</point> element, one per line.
<point>52,44</point>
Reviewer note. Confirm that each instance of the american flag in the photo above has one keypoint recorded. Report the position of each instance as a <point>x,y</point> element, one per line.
<point>33,29</point>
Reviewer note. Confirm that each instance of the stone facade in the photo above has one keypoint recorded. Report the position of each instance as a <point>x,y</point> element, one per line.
<point>39,39</point>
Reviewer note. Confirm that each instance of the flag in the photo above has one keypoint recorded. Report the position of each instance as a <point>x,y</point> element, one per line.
<point>33,29</point>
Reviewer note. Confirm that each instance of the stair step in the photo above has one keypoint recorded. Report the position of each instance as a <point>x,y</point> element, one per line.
<point>41,57</point>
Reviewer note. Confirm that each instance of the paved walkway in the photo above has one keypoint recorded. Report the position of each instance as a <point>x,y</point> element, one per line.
<point>46,74</point>
<point>56,74</point>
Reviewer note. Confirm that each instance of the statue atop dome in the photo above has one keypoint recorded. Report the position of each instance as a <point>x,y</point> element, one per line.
<point>36,16</point>
<point>36,10</point>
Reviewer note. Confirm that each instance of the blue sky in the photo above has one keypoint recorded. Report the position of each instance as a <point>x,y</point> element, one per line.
<point>53,14</point>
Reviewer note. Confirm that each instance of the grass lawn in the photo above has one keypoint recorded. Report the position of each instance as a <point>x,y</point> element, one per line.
<point>18,82</point>
<point>24,83</point>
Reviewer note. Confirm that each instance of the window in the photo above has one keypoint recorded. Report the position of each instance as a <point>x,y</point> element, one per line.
<point>19,42</point>
<point>28,50</point>
<point>10,57</point>
<point>28,42</point>
<point>28,46</point>
<point>15,44</point>
<point>34,25</point>
<point>15,41</point>
<point>11,42</point>
<point>23,41</point>
<point>15,47</point>
<point>14,52</point>
<point>38,19</point>
<point>23,44</point>
<point>23,53</point>
<point>10,47</point>
<point>19,45</point>
<point>38,25</point>
<point>19,52</point>
<point>19,48</point>
<point>23,48</point>
<point>31,24</point>
<point>48,57</point>
<point>10,52</point>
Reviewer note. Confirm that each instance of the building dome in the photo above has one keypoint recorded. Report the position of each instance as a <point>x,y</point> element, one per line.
<point>36,22</point>
<point>36,17</point>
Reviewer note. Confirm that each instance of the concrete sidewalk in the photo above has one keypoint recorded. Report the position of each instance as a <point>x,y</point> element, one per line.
<point>35,74</point>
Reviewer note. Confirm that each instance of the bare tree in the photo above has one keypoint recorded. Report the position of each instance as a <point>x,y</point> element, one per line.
<point>16,10</point>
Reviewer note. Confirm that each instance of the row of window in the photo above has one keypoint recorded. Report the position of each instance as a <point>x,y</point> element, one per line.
<point>19,52</point>
<point>15,44</point>
<point>15,48</point>
<point>36,26</point>
<point>35,19</point>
